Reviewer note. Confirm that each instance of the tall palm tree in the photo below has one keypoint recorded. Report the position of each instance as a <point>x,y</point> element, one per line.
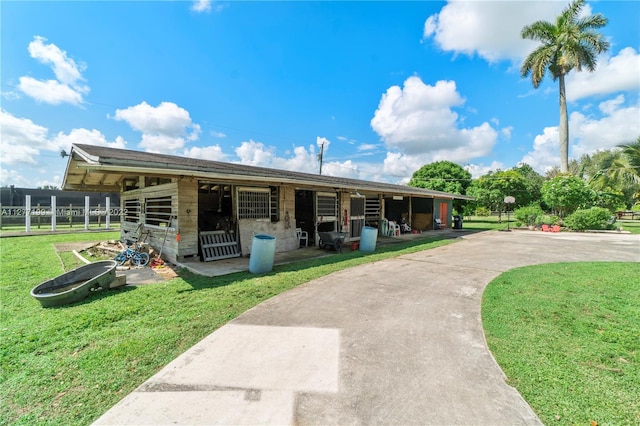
<point>569,43</point>
<point>627,167</point>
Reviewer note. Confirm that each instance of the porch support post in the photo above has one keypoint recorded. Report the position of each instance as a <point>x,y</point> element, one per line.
<point>86,213</point>
<point>107,219</point>
<point>27,213</point>
<point>53,212</point>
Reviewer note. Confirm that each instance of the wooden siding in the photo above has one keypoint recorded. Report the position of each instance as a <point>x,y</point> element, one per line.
<point>184,205</point>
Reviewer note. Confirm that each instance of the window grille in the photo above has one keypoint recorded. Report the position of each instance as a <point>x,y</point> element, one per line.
<point>372,209</point>
<point>327,206</point>
<point>254,203</point>
<point>132,210</point>
<point>275,203</point>
<point>158,211</point>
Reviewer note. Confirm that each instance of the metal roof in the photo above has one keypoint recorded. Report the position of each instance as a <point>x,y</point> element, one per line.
<point>103,169</point>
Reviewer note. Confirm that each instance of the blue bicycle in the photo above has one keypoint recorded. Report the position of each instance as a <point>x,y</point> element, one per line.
<point>132,253</point>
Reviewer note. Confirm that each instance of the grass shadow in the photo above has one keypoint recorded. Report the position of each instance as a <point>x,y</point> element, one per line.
<point>316,267</point>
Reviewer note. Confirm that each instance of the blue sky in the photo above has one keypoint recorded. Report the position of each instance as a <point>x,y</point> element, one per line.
<point>386,87</point>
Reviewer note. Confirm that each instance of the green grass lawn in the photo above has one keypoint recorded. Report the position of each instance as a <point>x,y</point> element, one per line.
<point>632,226</point>
<point>70,364</point>
<point>568,338</point>
<point>64,226</point>
<point>486,223</point>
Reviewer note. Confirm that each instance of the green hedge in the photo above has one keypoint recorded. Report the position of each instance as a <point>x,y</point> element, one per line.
<point>529,215</point>
<point>595,218</point>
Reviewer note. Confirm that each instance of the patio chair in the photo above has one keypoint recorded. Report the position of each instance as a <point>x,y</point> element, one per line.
<point>394,229</point>
<point>545,228</point>
<point>555,228</point>
<point>302,236</point>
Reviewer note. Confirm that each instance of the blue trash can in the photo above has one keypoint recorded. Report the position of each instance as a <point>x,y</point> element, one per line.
<point>263,251</point>
<point>368,239</point>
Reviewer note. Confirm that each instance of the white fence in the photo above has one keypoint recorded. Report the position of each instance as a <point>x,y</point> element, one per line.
<point>52,215</point>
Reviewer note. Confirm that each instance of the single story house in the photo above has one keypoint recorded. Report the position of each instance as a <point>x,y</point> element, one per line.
<point>195,208</point>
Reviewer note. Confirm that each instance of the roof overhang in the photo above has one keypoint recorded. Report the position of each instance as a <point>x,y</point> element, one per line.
<point>101,169</point>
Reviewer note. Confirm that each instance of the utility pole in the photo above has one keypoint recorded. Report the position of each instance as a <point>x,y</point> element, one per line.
<point>320,156</point>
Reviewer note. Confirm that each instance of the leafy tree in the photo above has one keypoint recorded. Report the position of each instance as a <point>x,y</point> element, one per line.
<point>627,168</point>
<point>566,193</point>
<point>533,184</point>
<point>490,189</point>
<point>613,174</point>
<point>569,43</point>
<point>574,169</point>
<point>443,176</point>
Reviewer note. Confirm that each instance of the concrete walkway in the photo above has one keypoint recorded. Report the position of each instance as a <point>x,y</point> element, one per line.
<point>398,341</point>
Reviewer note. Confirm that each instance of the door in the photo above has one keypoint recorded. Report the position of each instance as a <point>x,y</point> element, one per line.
<point>444,214</point>
<point>357,216</point>
<point>327,215</point>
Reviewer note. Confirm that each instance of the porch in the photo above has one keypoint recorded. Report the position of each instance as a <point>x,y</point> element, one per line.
<point>241,264</point>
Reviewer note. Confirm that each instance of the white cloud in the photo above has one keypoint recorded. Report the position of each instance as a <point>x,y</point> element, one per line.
<point>302,160</point>
<point>486,28</point>
<point>22,139</point>
<point>49,91</point>
<point>402,166</point>
<point>367,147</point>
<point>346,169</point>
<point>258,154</point>
<point>418,120</point>
<point>219,135</point>
<point>546,152</point>
<point>613,124</point>
<point>86,136</point>
<point>201,6</point>
<point>613,74</point>
<point>69,86</point>
<point>205,6</point>
<point>320,141</point>
<point>13,177</point>
<point>212,153</point>
<point>165,128</point>
<point>478,170</point>
<point>616,124</point>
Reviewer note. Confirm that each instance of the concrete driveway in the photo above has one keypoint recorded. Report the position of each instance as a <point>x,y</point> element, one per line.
<point>398,341</point>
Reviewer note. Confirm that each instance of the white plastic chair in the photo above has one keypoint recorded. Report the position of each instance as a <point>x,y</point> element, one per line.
<point>302,236</point>
<point>394,229</point>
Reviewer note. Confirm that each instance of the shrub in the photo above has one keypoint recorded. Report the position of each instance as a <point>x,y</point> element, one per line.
<point>550,220</point>
<point>594,218</point>
<point>528,215</point>
<point>483,211</point>
<point>566,193</point>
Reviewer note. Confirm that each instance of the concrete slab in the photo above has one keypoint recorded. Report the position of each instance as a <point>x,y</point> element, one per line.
<point>398,341</point>
<point>257,357</point>
<point>217,407</point>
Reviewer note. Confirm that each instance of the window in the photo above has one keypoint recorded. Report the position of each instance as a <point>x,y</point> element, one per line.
<point>372,209</point>
<point>254,203</point>
<point>132,210</point>
<point>327,205</point>
<point>158,211</point>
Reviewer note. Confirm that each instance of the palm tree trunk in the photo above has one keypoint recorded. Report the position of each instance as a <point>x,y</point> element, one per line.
<point>563,132</point>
